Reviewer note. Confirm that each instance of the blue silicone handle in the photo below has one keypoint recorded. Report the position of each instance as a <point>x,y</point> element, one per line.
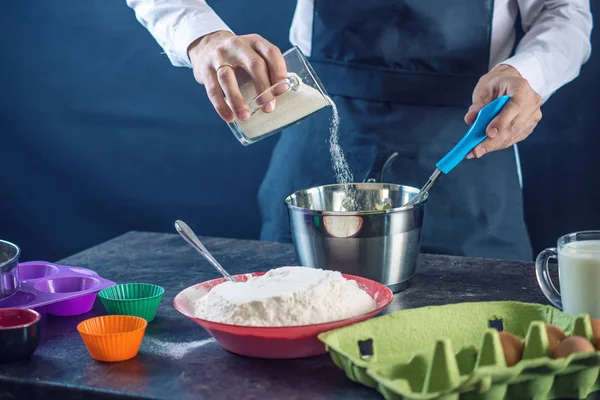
<point>475,135</point>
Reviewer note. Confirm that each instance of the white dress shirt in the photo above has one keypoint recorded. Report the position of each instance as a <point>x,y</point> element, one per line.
<point>556,43</point>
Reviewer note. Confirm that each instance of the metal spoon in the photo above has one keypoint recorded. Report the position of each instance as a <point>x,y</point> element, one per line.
<point>186,233</point>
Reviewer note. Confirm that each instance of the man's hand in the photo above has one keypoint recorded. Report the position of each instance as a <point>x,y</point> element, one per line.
<point>517,119</point>
<point>214,59</point>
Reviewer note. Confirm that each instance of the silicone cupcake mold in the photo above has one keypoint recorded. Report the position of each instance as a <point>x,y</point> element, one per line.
<point>113,338</point>
<point>137,299</point>
<point>56,289</point>
<point>455,352</point>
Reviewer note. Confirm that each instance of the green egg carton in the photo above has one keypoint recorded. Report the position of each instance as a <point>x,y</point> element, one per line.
<point>454,352</point>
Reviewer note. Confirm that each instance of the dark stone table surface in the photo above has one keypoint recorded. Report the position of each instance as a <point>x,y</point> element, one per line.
<point>179,360</point>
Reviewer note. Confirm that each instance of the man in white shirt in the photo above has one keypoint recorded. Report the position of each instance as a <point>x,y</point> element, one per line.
<point>405,75</point>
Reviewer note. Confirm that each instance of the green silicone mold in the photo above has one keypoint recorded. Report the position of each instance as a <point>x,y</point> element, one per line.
<point>454,352</point>
<point>137,299</point>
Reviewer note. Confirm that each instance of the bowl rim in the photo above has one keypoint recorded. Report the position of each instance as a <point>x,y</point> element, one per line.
<point>37,317</point>
<point>103,295</point>
<point>388,292</point>
<point>110,316</point>
<point>14,257</point>
<point>305,210</point>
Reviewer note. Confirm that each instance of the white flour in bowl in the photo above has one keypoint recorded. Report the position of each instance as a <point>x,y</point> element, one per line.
<point>286,296</point>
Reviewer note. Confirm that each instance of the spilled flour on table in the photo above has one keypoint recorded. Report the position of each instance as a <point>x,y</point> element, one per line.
<point>175,350</point>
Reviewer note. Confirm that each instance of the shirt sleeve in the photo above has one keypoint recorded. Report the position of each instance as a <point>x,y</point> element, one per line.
<point>175,24</point>
<point>555,45</point>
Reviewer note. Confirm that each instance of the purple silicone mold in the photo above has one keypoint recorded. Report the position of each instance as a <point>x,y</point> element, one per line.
<point>56,289</point>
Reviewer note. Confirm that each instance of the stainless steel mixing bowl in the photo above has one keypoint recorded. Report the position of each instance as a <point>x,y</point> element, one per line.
<point>380,242</point>
<point>9,273</point>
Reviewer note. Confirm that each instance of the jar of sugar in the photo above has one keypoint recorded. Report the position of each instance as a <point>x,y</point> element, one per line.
<point>296,97</point>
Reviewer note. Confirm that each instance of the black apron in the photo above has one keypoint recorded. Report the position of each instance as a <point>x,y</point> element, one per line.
<point>402,75</point>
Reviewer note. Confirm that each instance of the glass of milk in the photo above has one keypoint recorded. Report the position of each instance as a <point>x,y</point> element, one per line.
<point>296,97</point>
<point>578,256</point>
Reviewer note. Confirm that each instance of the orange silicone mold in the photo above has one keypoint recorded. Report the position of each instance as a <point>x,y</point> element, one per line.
<point>113,338</point>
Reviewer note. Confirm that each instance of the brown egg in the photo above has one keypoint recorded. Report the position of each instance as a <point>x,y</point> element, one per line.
<point>512,347</point>
<point>595,331</point>
<point>555,336</point>
<point>573,344</point>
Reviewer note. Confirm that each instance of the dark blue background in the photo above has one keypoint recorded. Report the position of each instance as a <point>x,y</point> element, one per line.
<point>100,135</point>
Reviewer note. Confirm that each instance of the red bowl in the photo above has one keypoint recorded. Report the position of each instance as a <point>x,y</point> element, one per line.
<point>20,333</point>
<point>278,342</point>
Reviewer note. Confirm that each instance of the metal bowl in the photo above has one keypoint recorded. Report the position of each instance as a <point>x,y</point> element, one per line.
<point>9,273</point>
<point>378,239</point>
